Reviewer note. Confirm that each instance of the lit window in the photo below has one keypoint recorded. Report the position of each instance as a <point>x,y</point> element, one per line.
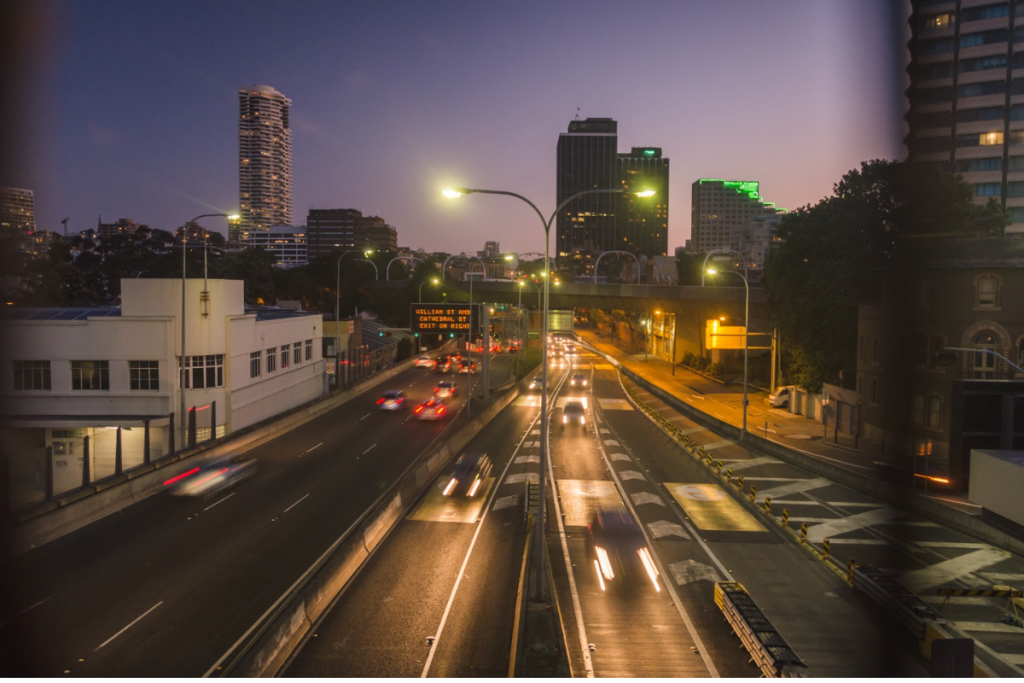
<point>90,375</point>
<point>284,356</point>
<point>986,292</point>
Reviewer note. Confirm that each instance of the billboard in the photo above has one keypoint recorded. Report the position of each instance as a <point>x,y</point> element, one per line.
<point>444,318</point>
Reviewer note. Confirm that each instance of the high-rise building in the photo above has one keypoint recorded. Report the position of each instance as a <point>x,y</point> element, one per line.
<point>966,95</point>
<point>17,211</point>
<point>720,208</point>
<point>587,160</point>
<point>490,250</point>
<point>287,244</point>
<point>328,230</point>
<point>124,226</point>
<point>264,158</point>
<point>643,221</point>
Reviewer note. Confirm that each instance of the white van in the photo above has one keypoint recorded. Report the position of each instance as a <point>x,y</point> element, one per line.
<point>780,399</point>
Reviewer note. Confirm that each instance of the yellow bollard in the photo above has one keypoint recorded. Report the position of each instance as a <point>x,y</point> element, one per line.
<point>824,549</point>
<point>849,569</point>
<point>803,533</point>
<point>718,466</point>
<point>768,505</point>
<point>728,474</point>
<point>753,490</point>
<point>785,517</point>
<point>702,453</point>
<point>741,482</point>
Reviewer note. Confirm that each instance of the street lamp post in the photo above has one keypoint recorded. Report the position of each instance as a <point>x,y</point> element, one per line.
<point>433,281</point>
<point>746,325</point>
<point>629,253</point>
<point>546,223</point>
<point>181,361</point>
<point>337,312</point>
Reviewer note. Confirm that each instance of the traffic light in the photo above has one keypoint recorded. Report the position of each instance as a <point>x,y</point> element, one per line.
<point>384,333</point>
<point>416,334</point>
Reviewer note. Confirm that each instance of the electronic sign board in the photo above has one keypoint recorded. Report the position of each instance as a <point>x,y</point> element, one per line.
<point>444,318</point>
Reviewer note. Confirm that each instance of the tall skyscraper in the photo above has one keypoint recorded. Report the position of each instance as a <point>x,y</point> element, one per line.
<point>720,208</point>
<point>643,222</point>
<point>966,95</point>
<point>264,158</point>
<point>17,211</point>
<point>588,160</point>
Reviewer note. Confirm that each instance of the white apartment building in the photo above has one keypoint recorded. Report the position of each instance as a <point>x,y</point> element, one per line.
<point>110,374</point>
<point>286,243</point>
<point>264,158</point>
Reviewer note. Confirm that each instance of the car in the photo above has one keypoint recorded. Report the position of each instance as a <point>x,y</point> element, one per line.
<point>455,357</point>
<point>619,550</point>
<point>573,413</point>
<point>496,349</point>
<point>570,350</point>
<point>424,362</point>
<point>469,475</point>
<point>537,384</point>
<point>442,364</point>
<point>578,379</point>
<point>446,389</point>
<point>467,367</point>
<point>391,400</point>
<point>780,399</point>
<point>431,409</point>
<point>210,478</point>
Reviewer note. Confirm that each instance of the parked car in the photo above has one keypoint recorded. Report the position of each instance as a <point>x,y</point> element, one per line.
<point>780,399</point>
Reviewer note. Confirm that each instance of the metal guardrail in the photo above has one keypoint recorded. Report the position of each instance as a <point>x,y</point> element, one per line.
<point>768,649</point>
<point>909,609</point>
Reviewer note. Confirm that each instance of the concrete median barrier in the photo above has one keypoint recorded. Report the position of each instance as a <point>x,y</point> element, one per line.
<point>337,571</point>
<point>279,640</point>
<point>382,523</point>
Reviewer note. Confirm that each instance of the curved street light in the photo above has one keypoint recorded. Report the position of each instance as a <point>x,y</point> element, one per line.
<point>746,323</point>
<point>387,270</point>
<point>433,281</point>
<point>601,256</point>
<point>546,223</point>
<point>376,273</point>
<point>181,362</point>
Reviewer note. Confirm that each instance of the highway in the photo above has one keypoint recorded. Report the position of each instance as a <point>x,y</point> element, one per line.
<point>167,586</point>
<point>449,570</point>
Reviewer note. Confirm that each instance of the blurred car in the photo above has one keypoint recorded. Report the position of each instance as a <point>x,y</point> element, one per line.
<point>496,349</point>
<point>573,413</point>
<point>455,357</point>
<point>431,409</point>
<point>514,345</point>
<point>442,364</point>
<point>467,367</point>
<point>445,389</point>
<point>391,400</point>
<point>619,550</point>
<point>424,362</point>
<point>537,384</point>
<point>780,399</point>
<point>578,379</point>
<point>471,470</point>
<point>210,478</point>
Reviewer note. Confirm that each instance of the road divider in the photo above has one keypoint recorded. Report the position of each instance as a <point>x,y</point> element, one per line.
<point>268,646</point>
<point>768,649</point>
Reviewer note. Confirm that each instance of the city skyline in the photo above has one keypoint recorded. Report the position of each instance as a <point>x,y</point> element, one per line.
<point>384,133</point>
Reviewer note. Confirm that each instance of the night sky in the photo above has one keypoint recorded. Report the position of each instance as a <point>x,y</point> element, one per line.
<point>132,107</point>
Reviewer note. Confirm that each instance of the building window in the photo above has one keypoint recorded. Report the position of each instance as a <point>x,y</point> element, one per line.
<point>982,139</point>
<point>860,348</point>
<point>970,115</point>
<point>934,22</point>
<point>936,345</point>
<point>255,364</point>
<point>309,349</point>
<point>917,409</point>
<point>271,360</point>
<point>31,375</point>
<point>284,356</point>
<point>985,12</point>
<point>144,375</point>
<point>297,353</point>
<point>984,363</point>
<point>998,35</point>
<point>986,291</point>
<point>935,412</point>
<point>90,375</point>
<point>987,190</point>
<point>983,164</point>
<point>983,63</point>
<point>203,372</point>
<point>976,90</point>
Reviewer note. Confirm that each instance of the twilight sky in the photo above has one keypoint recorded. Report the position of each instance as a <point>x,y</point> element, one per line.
<point>132,106</point>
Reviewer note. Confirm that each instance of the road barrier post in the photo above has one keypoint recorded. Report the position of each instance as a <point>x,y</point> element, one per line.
<point>849,569</point>
<point>803,533</point>
<point>785,517</point>
<point>728,475</point>
<point>768,505</point>
<point>824,548</point>
<point>753,490</point>
<point>741,482</point>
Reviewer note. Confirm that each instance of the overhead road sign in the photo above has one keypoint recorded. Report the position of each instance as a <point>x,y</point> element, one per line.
<point>444,318</point>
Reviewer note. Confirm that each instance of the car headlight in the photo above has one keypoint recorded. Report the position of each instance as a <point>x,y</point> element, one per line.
<point>565,420</point>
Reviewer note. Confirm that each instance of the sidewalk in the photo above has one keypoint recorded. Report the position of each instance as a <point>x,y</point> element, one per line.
<point>726,404</point>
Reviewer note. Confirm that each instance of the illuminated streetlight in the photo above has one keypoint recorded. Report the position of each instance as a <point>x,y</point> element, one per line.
<point>746,324</point>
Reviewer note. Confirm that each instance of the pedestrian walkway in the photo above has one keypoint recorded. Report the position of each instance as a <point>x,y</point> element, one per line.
<point>726,403</point>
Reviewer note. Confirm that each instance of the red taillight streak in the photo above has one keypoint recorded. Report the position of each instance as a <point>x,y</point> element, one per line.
<point>181,476</point>
<point>215,474</point>
<point>419,409</point>
<point>440,411</point>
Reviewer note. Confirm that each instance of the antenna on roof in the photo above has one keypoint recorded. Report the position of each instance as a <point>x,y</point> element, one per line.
<point>65,222</point>
<point>577,113</point>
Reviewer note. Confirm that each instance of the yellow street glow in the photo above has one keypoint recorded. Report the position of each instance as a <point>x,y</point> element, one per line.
<point>234,217</point>
<point>645,193</point>
<point>451,194</point>
<point>712,271</point>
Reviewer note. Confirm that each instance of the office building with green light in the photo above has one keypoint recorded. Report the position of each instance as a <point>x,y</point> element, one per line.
<point>721,210</point>
<point>588,159</point>
<point>966,96</point>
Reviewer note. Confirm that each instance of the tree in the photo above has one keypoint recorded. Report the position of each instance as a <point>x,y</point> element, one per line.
<point>831,252</point>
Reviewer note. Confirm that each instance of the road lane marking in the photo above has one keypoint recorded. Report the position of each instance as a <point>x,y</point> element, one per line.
<point>219,501</point>
<point>31,607</point>
<point>296,503</point>
<point>504,502</point>
<point>369,449</point>
<point>523,459</point>
<point>128,626</point>
<point>921,580</point>
<point>996,577</point>
<point>315,447</point>
<point>611,442</point>
<point>630,474</point>
<point>817,534</point>
<point>618,457</point>
<point>712,509</point>
<point>644,498</point>
<point>662,528</point>
<point>791,488</point>
<point>987,627</point>
<point>718,444</point>
<point>531,477</point>
<point>581,498</point>
<point>744,463</point>
<point>689,571</point>
<point>364,417</point>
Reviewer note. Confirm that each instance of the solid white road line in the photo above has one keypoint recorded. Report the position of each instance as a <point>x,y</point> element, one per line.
<point>219,501</point>
<point>315,447</point>
<point>369,449</point>
<point>128,626</point>
<point>817,534</point>
<point>296,503</point>
<point>31,607</point>
<point>364,417</point>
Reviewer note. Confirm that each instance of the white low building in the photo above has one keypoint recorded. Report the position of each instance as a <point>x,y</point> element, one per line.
<point>110,374</point>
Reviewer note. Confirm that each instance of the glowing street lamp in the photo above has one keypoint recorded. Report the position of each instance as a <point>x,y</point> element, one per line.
<point>433,281</point>
<point>746,325</point>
